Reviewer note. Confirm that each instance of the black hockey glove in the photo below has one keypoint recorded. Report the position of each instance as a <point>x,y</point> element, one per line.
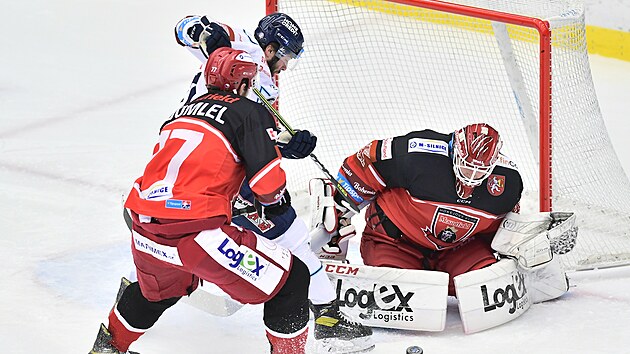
<point>298,146</point>
<point>213,37</point>
<point>276,209</point>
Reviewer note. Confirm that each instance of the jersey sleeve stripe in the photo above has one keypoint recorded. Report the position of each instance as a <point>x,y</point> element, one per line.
<point>377,177</point>
<point>258,176</point>
<point>212,130</point>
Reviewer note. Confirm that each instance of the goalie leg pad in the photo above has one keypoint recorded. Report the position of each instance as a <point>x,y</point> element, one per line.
<point>491,296</point>
<point>389,297</point>
<point>547,283</point>
<point>472,255</point>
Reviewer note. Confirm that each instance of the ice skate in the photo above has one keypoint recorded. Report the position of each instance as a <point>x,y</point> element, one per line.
<point>124,283</point>
<point>103,343</point>
<point>335,332</point>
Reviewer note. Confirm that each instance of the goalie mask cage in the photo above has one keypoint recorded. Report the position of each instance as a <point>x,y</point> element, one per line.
<point>375,68</point>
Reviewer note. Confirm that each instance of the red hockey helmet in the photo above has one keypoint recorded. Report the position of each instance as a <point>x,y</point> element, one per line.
<point>227,68</point>
<point>475,152</point>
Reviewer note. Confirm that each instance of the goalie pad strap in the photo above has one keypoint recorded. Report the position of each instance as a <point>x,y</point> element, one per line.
<point>547,283</point>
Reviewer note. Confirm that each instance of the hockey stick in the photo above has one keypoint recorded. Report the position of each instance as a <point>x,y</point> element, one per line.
<point>343,193</point>
<point>202,299</point>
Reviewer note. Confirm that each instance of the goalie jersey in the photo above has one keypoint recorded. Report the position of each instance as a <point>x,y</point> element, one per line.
<point>411,184</point>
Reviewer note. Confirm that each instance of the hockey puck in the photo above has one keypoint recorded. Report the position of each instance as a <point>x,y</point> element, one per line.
<point>414,349</point>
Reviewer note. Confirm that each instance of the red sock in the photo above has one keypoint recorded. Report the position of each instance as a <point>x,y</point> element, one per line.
<point>294,343</point>
<point>122,335</point>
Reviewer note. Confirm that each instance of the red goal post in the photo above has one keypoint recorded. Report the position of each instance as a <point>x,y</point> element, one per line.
<point>378,68</point>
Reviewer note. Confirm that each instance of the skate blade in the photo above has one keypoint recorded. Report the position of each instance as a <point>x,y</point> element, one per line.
<point>334,345</point>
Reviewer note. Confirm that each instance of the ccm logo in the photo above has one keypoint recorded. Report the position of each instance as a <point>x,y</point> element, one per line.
<point>341,269</point>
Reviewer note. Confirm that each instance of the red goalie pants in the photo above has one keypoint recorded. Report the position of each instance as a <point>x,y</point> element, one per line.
<point>380,250</point>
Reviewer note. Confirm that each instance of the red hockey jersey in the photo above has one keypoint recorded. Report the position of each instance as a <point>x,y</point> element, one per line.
<point>204,153</point>
<point>411,179</point>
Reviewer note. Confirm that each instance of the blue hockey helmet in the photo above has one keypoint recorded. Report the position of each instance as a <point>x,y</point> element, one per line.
<point>280,28</point>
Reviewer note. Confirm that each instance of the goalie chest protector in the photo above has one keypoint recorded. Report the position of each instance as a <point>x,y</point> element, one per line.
<point>421,199</point>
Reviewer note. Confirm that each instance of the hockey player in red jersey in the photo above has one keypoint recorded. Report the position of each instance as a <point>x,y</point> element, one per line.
<point>182,209</point>
<point>434,200</point>
<point>276,43</point>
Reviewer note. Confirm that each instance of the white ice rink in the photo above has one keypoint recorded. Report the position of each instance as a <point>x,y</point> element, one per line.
<point>84,87</point>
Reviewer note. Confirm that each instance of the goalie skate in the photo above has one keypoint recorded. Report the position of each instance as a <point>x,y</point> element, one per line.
<point>336,333</point>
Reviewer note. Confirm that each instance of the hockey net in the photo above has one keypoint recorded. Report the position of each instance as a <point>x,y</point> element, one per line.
<point>374,68</point>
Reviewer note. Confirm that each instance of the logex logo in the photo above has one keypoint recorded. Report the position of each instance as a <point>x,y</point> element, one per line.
<point>381,297</point>
<point>513,295</point>
<point>248,261</point>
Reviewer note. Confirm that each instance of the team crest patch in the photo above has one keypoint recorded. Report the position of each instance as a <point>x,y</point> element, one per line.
<point>451,225</point>
<point>496,185</point>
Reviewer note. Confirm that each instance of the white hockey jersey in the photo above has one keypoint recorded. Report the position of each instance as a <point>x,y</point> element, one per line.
<point>241,40</point>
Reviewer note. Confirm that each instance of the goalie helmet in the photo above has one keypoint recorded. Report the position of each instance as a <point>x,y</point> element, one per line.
<point>281,29</point>
<point>475,153</point>
<point>226,69</point>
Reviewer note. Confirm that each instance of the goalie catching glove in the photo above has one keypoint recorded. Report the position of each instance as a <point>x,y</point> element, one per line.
<point>330,221</point>
<point>296,146</point>
<point>533,239</point>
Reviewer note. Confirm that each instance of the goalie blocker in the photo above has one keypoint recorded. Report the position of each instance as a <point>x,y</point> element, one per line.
<point>330,221</point>
<point>527,273</point>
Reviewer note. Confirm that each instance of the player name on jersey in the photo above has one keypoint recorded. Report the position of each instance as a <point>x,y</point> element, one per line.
<point>205,109</point>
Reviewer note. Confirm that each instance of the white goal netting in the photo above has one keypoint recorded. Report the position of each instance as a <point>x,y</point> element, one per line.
<point>374,68</point>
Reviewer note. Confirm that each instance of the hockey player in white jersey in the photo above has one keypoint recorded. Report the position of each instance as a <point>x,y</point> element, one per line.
<point>201,37</point>
<point>277,44</point>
